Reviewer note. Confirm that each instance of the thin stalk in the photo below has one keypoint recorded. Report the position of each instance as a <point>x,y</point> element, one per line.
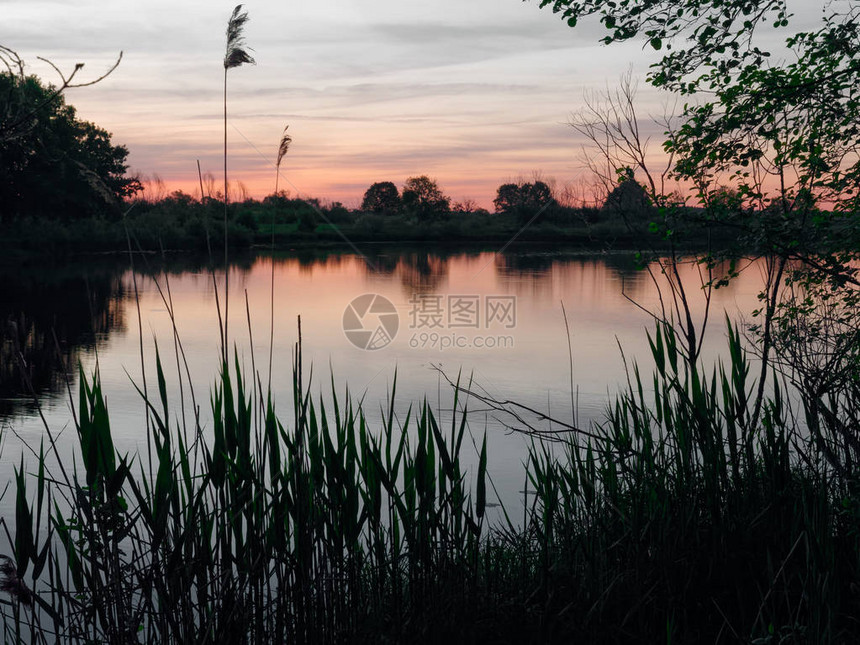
<point>226,202</point>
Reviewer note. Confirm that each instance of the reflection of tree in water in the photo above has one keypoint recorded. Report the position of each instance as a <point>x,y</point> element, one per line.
<point>417,270</point>
<point>519,264</point>
<point>526,273</point>
<point>46,318</point>
<point>422,272</point>
<point>537,273</point>
<point>307,260</point>
<point>384,264</point>
<point>625,266</point>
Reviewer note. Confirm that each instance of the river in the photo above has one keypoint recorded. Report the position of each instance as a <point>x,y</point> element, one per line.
<point>426,315</point>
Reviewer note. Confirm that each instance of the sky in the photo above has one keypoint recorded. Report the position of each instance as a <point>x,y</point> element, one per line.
<point>473,94</point>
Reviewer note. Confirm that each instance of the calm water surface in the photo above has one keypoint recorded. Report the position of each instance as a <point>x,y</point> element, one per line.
<point>494,318</point>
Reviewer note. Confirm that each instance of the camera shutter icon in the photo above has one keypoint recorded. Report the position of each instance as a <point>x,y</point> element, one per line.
<point>370,322</point>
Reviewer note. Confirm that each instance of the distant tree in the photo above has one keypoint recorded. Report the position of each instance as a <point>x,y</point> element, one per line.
<point>536,195</point>
<point>179,198</point>
<point>281,199</point>
<point>55,165</point>
<point>337,213</point>
<point>507,198</point>
<point>422,197</point>
<point>522,199</point>
<point>468,206</point>
<point>629,199</point>
<point>381,197</point>
<point>308,220</point>
<point>724,200</point>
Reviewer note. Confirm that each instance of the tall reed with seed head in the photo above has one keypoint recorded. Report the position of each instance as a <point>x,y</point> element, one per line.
<point>283,148</point>
<point>235,55</point>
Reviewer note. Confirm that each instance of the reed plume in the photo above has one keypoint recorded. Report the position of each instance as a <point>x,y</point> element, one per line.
<point>283,148</point>
<point>235,55</point>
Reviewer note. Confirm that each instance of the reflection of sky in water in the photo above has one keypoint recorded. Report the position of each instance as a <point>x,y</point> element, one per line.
<point>535,371</point>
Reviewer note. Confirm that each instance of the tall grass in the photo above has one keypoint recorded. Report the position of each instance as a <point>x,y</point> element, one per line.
<point>674,520</point>
<point>683,522</point>
<point>254,534</point>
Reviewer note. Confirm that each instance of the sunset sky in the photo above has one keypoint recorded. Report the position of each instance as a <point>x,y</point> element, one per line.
<point>471,93</point>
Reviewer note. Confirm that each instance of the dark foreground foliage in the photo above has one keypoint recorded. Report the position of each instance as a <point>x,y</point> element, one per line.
<point>676,520</point>
<point>53,165</point>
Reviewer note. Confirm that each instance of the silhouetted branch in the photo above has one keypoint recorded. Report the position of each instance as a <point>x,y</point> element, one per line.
<point>15,66</point>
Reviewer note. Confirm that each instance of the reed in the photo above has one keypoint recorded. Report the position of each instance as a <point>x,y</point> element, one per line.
<point>236,54</point>
<point>675,519</point>
<point>283,149</point>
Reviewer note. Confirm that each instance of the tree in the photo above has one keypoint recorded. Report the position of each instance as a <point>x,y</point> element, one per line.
<point>717,36</point>
<point>467,206</point>
<point>507,198</point>
<point>786,137</point>
<point>524,199</point>
<point>629,200</point>
<point>609,122</point>
<point>536,195</point>
<point>20,114</point>
<point>618,152</point>
<point>53,164</point>
<point>381,197</point>
<point>422,197</point>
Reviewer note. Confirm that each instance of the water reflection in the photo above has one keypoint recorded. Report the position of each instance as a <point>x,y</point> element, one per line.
<point>51,318</point>
<point>422,273</point>
<point>47,318</point>
<point>568,365</point>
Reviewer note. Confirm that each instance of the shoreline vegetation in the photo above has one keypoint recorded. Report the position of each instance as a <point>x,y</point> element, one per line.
<point>181,223</point>
<point>683,517</point>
